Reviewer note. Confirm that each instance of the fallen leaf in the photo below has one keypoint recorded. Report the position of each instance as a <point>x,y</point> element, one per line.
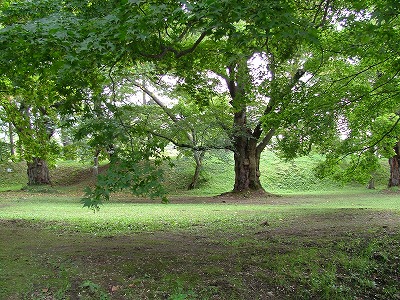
<point>114,288</point>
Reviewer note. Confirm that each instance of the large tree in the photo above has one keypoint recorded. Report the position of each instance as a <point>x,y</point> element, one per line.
<point>284,76</point>
<point>290,70</point>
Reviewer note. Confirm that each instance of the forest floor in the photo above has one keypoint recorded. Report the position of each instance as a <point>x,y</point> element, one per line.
<point>299,247</point>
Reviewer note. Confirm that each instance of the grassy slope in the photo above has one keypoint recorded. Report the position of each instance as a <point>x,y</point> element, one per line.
<point>15,179</point>
<point>277,176</point>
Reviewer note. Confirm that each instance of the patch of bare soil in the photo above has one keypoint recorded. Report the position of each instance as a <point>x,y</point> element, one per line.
<point>130,267</point>
<point>337,223</point>
<point>391,191</point>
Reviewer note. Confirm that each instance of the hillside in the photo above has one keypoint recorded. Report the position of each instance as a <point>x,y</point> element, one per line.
<point>277,176</point>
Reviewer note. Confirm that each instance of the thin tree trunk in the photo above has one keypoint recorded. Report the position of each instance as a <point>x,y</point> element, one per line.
<point>198,158</point>
<point>371,184</point>
<point>38,172</point>
<point>144,100</point>
<point>394,163</point>
<point>96,163</point>
<point>11,136</point>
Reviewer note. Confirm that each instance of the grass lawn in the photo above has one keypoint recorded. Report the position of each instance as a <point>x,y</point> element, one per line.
<point>343,245</point>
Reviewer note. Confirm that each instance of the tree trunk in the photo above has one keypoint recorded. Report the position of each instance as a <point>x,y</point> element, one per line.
<point>38,172</point>
<point>11,136</point>
<point>247,156</point>
<point>371,184</point>
<point>96,163</point>
<point>198,158</point>
<point>247,144</point>
<point>394,163</point>
<point>247,166</point>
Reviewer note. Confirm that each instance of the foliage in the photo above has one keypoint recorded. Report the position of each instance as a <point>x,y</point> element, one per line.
<point>35,123</point>
<point>359,152</point>
<point>291,70</point>
<point>4,151</point>
<point>135,169</point>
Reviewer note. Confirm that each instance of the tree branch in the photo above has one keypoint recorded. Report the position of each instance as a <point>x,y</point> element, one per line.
<point>191,49</point>
<point>156,100</point>
<point>265,141</point>
<point>189,135</point>
<point>362,150</point>
<point>189,146</point>
<point>258,129</point>
<point>324,17</point>
<point>177,53</point>
<point>353,76</point>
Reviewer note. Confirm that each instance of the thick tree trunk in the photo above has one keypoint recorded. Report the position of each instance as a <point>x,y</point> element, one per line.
<point>247,143</point>
<point>38,172</point>
<point>394,163</point>
<point>198,158</point>
<point>246,155</point>
<point>247,166</point>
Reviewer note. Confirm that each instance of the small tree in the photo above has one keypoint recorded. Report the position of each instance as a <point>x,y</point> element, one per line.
<point>188,125</point>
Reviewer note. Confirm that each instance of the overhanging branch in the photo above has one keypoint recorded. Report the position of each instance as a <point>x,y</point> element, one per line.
<point>177,53</point>
<point>188,146</point>
<point>362,150</point>
<point>157,100</point>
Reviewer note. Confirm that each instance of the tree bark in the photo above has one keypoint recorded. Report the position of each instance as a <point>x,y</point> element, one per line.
<point>247,166</point>
<point>394,163</point>
<point>38,172</point>
<point>247,143</point>
<point>246,155</point>
<point>371,184</point>
<point>96,163</point>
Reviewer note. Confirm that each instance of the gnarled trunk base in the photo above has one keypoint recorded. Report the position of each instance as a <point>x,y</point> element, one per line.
<point>247,167</point>
<point>394,163</point>
<point>38,172</point>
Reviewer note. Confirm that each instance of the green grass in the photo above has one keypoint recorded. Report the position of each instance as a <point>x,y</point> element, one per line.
<point>15,179</point>
<point>120,216</point>
<point>89,253</point>
<point>277,176</point>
